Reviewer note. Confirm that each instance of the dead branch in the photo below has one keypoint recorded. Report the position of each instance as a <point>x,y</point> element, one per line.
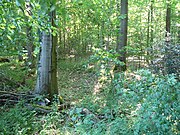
<point>8,101</point>
<point>11,98</point>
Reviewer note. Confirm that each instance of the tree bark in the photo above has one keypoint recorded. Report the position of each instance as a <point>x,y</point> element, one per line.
<point>168,21</point>
<point>30,46</point>
<point>47,69</point>
<point>168,56</point>
<point>54,85</point>
<point>122,36</point>
<point>152,16</point>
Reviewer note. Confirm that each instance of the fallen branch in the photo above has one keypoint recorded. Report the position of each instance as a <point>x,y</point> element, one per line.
<point>9,96</point>
<point>17,94</point>
<point>29,100</point>
<point>8,101</point>
<point>12,98</point>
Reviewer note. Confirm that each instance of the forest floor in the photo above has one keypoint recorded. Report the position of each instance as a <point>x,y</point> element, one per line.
<point>125,104</point>
<point>74,83</point>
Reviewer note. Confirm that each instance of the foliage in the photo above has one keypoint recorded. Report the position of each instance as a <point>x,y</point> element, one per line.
<point>142,108</point>
<point>142,103</point>
<point>14,76</point>
<point>171,59</point>
<point>15,22</point>
<point>103,62</point>
<point>166,59</point>
<point>152,101</point>
<point>18,120</point>
<point>104,102</point>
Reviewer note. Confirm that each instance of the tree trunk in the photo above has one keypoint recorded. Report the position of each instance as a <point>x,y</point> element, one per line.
<point>151,27</point>
<point>168,21</point>
<point>148,37</point>
<point>152,15</point>
<point>122,36</point>
<point>168,55</point>
<point>47,68</point>
<point>30,46</point>
<point>54,84</point>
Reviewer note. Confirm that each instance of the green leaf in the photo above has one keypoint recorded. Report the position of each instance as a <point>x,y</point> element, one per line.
<point>12,27</point>
<point>18,3</point>
<point>9,37</point>
<point>2,27</point>
<point>53,8</point>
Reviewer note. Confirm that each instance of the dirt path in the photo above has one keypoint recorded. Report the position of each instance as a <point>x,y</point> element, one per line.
<point>73,82</point>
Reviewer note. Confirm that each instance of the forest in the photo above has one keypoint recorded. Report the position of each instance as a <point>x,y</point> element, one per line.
<point>89,67</point>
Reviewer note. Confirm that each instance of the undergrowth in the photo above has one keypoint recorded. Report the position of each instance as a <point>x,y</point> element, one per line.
<point>15,77</point>
<point>132,103</point>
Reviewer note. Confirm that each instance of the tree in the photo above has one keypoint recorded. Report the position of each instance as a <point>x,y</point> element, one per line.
<point>168,54</point>
<point>150,31</point>
<point>122,35</point>
<point>30,45</point>
<point>47,68</point>
<point>168,21</point>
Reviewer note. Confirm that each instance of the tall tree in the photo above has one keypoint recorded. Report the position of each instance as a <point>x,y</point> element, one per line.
<point>122,35</point>
<point>168,55</point>
<point>30,46</point>
<point>47,68</point>
<point>150,30</point>
<point>152,15</point>
<point>168,21</point>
